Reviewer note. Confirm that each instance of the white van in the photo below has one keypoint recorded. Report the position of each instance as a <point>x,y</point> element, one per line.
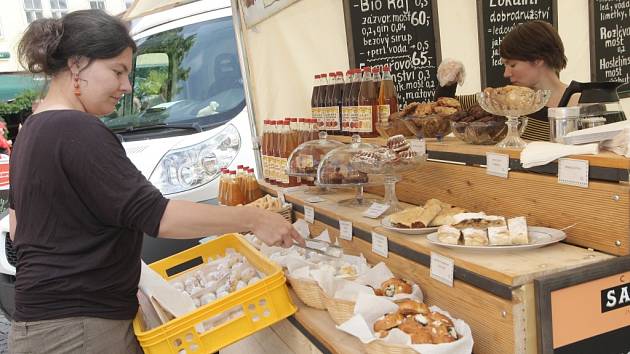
<point>186,119</point>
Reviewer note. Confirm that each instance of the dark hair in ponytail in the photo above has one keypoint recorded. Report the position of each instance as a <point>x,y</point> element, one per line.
<point>48,43</point>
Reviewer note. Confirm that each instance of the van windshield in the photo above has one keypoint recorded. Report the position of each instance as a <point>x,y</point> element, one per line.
<point>187,75</point>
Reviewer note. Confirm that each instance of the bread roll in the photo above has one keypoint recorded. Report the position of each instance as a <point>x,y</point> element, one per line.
<point>422,336</point>
<point>388,322</point>
<point>412,307</point>
<point>395,286</point>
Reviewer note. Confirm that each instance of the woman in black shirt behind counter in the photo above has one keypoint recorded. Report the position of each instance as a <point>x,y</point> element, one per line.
<point>79,207</point>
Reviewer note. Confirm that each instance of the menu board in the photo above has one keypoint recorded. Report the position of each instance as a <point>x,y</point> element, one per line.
<point>610,42</point>
<point>401,33</point>
<point>496,18</point>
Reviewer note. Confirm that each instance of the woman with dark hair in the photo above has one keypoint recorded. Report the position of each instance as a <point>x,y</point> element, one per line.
<point>79,207</point>
<point>533,55</point>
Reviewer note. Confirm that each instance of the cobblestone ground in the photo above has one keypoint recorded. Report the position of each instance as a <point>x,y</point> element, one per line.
<point>4,333</point>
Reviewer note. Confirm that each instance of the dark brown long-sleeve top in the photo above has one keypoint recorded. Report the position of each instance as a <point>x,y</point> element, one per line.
<point>81,209</point>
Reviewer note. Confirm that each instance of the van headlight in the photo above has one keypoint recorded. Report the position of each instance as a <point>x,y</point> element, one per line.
<point>193,166</point>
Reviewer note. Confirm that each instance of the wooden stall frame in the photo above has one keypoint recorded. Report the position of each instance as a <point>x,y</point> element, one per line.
<point>544,286</point>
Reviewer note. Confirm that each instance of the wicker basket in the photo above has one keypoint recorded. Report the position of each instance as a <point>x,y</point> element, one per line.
<point>308,291</point>
<point>381,347</point>
<point>339,310</point>
<point>286,211</point>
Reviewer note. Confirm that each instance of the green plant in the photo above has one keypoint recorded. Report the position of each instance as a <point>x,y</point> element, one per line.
<point>21,103</point>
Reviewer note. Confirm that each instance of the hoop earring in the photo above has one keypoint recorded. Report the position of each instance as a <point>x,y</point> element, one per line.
<point>77,88</point>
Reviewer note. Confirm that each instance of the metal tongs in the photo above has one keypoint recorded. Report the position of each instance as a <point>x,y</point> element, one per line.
<point>322,247</point>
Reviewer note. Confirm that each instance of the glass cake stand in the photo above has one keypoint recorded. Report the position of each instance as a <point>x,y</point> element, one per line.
<point>512,106</point>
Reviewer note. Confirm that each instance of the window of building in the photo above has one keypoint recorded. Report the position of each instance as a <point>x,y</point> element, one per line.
<point>97,4</point>
<point>58,8</point>
<point>33,10</point>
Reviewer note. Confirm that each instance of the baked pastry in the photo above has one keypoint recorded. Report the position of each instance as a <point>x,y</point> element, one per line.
<point>397,143</point>
<point>408,218</point>
<point>395,286</point>
<point>445,217</point>
<point>388,322</point>
<point>499,236</point>
<point>518,230</point>
<point>475,237</point>
<point>510,96</point>
<point>421,336</point>
<point>428,214</point>
<point>448,234</point>
<point>445,111</point>
<point>412,307</point>
<point>448,102</point>
<point>438,319</point>
<point>464,220</point>
<point>410,325</point>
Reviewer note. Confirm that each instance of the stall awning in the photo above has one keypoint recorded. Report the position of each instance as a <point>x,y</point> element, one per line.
<point>145,7</point>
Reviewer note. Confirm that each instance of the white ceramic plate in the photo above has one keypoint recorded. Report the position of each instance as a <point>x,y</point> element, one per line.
<point>388,225</point>
<point>538,237</point>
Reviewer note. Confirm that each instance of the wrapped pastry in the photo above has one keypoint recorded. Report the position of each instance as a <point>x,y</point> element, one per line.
<point>475,237</point>
<point>499,236</point>
<point>445,217</point>
<point>465,220</point>
<point>429,213</point>
<point>408,218</point>
<point>518,230</point>
<point>448,234</point>
<point>395,286</point>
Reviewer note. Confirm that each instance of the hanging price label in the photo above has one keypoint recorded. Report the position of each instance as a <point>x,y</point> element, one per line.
<point>379,244</point>
<point>497,164</point>
<point>345,230</point>
<point>309,214</point>
<point>573,172</point>
<point>442,268</point>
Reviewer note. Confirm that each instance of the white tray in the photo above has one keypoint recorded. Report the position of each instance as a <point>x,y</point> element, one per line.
<point>538,237</point>
<point>420,231</point>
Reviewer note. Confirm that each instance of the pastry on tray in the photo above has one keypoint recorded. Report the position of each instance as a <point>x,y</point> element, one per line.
<point>408,218</point>
<point>475,237</point>
<point>499,236</point>
<point>518,230</point>
<point>445,217</point>
<point>448,234</point>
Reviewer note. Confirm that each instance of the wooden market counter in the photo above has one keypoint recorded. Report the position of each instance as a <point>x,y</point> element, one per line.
<point>493,292</point>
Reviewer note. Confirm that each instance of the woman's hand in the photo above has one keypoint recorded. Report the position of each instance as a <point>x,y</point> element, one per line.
<point>273,229</point>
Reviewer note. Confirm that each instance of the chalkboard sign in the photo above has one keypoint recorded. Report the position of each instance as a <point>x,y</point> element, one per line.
<point>610,42</point>
<point>496,18</point>
<point>401,33</point>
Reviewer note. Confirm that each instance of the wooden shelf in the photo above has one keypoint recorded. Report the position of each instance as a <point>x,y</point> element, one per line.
<point>452,145</point>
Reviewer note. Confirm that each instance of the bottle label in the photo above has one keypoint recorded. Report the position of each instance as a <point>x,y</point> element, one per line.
<point>383,113</point>
<point>354,119</point>
<point>345,115</point>
<point>333,123</point>
<point>265,167</point>
<point>364,119</point>
<point>317,114</point>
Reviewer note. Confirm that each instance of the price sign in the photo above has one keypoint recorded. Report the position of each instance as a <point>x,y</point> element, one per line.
<point>442,268</point>
<point>379,244</point>
<point>573,172</point>
<point>309,214</point>
<point>345,230</point>
<point>497,164</point>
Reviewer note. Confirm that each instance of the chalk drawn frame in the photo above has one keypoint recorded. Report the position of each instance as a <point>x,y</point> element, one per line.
<point>347,15</point>
<point>625,89</point>
<point>482,38</point>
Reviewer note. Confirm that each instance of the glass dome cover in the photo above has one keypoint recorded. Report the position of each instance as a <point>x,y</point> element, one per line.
<point>305,159</point>
<point>336,167</point>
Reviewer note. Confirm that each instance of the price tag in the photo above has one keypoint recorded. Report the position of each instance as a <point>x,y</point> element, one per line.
<point>345,230</point>
<point>281,197</point>
<point>442,269</point>
<point>309,214</point>
<point>418,145</point>
<point>573,172</point>
<point>315,199</point>
<point>375,210</point>
<point>379,244</point>
<point>497,164</point>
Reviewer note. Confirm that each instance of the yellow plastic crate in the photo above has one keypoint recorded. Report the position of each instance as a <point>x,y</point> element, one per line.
<point>262,304</point>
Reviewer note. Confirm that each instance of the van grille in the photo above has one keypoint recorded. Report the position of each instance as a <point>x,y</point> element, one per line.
<point>9,250</point>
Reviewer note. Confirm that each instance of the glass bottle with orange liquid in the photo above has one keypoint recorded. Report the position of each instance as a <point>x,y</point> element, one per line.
<point>367,116</point>
<point>387,97</point>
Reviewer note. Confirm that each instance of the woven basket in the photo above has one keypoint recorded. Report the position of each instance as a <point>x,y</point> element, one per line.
<point>308,291</point>
<point>339,310</point>
<point>286,212</point>
<point>380,347</point>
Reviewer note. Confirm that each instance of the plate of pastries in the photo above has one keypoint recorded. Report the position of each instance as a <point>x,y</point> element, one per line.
<point>421,220</point>
<point>478,231</point>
